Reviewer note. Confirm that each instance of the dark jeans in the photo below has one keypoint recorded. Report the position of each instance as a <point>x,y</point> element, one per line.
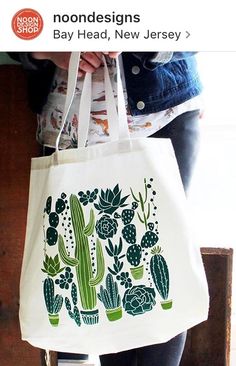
<point>184,134</point>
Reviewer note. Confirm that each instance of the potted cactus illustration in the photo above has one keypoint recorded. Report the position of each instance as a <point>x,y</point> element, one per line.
<point>134,252</point>
<point>53,303</point>
<point>82,261</point>
<point>160,275</point>
<point>110,298</point>
<point>134,255</point>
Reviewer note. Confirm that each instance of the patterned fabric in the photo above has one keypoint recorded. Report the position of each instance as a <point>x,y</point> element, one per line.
<point>49,121</point>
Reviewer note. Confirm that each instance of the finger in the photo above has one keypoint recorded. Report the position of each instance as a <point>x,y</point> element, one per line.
<point>84,66</point>
<point>92,58</point>
<point>99,55</point>
<point>113,54</point>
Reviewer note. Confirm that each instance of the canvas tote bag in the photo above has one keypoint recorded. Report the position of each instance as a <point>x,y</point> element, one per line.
<point>109,263</point>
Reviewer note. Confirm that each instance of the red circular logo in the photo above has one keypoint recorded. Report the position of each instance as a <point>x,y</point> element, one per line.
<point>27,24</point>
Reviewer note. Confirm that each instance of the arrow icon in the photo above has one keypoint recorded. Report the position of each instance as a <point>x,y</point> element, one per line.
<point>187,34</point>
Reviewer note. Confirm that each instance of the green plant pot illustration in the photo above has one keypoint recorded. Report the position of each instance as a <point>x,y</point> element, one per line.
<point>54,319</point>
<point>166,304</point>
<point>137,272</point>
<point>90,317</point>
<point>114,314</point>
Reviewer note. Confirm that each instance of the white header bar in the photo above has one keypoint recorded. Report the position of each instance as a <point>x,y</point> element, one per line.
<point>181,25</point>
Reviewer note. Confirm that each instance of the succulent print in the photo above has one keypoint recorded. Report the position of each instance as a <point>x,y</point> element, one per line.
<point>124,279</point>
<point>139,299</point>
<point>52,265</point>
<point>65,279</point>
<point>106,227</point>
<point>110,201</point>
<point>115,252</point>
<point>88,197</point>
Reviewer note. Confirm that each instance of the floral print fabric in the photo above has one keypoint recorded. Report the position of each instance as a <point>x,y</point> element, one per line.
<point>49,121</point>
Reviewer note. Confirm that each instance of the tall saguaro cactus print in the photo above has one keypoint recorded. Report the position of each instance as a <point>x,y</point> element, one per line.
<point>82,261</point>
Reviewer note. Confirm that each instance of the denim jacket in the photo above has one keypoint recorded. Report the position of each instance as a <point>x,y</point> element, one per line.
<point>158,81</point>
<point>155,81</point>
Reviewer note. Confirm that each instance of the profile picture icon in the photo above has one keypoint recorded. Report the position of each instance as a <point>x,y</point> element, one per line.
<point>27,24</point>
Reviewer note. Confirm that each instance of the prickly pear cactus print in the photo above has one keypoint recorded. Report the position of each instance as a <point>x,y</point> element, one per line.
<point>103,259</point>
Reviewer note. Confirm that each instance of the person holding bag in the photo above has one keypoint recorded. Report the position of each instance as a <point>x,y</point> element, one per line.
<point>172,116</point>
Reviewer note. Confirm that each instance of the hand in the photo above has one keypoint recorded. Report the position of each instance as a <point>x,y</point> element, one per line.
<point>90,61</point>
<point>112,54</point>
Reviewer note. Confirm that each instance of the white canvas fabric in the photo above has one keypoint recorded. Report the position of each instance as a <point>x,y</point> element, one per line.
<point>109,263</point>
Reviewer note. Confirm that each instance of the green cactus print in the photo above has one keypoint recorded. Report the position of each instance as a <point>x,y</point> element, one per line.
<point>53,303</point>
<point>53,219</point>
<point>60,206</point>
<point>52,236</point>
<point>86,281</point>
<point>110,298</point>
<point>149,239</point>
<point>48,205</point>
<point>127,216</point>
<point>142,200</point>
<point>75,314</point>
<point>84,232</point>
<point>160,275</point>
<point>134,254</point>
<point>129,233</point>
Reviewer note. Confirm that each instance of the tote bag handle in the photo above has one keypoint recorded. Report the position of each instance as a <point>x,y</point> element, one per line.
<point>117,119</point>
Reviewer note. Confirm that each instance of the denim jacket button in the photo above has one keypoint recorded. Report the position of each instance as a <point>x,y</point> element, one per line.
<point>140,105</point>
<point>135,70</point>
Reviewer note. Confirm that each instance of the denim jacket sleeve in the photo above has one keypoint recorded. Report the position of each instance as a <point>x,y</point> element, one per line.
<point>152,60</point>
